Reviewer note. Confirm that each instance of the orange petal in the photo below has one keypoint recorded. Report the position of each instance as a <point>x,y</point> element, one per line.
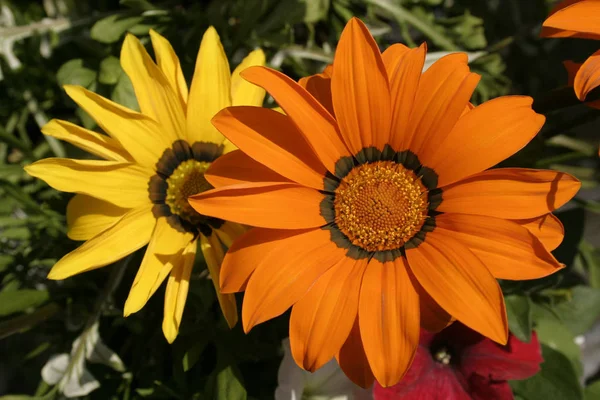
<point>475,144</point>
<point>247,251</point>
<point>573,18</point>
<point>508,250</point>
<point>458,281</point>
<point>286,273</point>
<point>389,320</point>
<point>404,67</point>
<point>512,193</point>
<point>272,139</point>
<point>236,167</point>
<point>319,85</point>
<point>588,76</point>
<point>444,92</point>
<point>322,319</point>
<point>267,205</point>
<point>572,69</point>
<point>353,360</point>
<point>433,317</point>
<point>361,92</point>
<point>547,228</point>
<point>312,119</point>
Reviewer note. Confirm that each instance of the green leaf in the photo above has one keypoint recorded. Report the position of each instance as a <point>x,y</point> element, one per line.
<point>556,380</point>
<point>228,386</point>
<point>5,261</point>
<point>20,300</point>
<point>111,28</point>
<point>191,357</point>
<point>140,5</point>
<point>557,335</point>
<point>592,392</point>
<point>518,309</point>
<point>110,70</point>
<point>124,94</point>
<point>582,311</point>
<point>74,73</point>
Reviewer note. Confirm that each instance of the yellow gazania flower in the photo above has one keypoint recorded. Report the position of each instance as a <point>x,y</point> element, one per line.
<point>151,162</point>
<point>374,209</point>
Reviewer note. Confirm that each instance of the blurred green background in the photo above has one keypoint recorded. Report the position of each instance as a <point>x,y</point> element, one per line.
<point>46,44</point>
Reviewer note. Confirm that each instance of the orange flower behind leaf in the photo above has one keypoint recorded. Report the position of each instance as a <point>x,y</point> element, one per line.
<point>373,209</point>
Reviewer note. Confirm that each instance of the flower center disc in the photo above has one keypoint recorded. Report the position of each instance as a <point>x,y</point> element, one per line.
<point>380,206</point>
<point>187,179</point>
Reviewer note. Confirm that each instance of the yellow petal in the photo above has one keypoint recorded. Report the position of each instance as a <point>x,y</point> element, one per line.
<point>165,247</point>
<point>244,93</point>
<point>92,142</point>
<point>139,134</point>
<point>153,91</point>
<point>122,184</point>
<point>176,292</point>
<point>88,216</point>
<point>228,147</point>
<point>168,62</point>
<point>229,232</point>
<point>129,234</point>
<point>213,255</point>
<point>210,91</point>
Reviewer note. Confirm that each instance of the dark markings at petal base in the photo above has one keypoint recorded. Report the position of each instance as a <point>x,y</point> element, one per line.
<point>410,161</point>
<point>171,158</point>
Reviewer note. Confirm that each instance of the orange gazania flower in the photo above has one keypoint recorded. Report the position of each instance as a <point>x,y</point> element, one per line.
<point>578,19</point>
<point>373,216</point>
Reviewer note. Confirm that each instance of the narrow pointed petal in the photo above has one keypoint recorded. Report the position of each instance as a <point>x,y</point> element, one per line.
<point>404,67</point>
<point>444,92</point>
<point>508,250</point>
<point>168,62</point>
<point>92,142</point>
<point>177,291</point>
<point>139,134</point>
<point>153,90</point>
<point>285,274</point>
<point>319,85</point>
<point>458,281</point>
<point>165,246</point>
<point>88,216</point>
<point>229,232</point>
<point>122,184</point>
<point>210,91</point>
<point>213,255</point>
<point>126,236</point>
<point>322,319</point>
<point>353,360</point>
<point>573,18</point>
<point>389,320</point>
<point>237,168</point>
<point>246,253</point>
<point>588,76</point>
<point>511,193</point>
<point>360,89</point>
<point>267,205</point>
<point>272,139</point>
<point>547,228</point>
<point>474,145</point>
<point>312,119</point>
<point>244,93</point>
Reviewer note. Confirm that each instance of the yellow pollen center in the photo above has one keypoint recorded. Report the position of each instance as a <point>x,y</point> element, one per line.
<point>380,206</point>
<point>187,179</point>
